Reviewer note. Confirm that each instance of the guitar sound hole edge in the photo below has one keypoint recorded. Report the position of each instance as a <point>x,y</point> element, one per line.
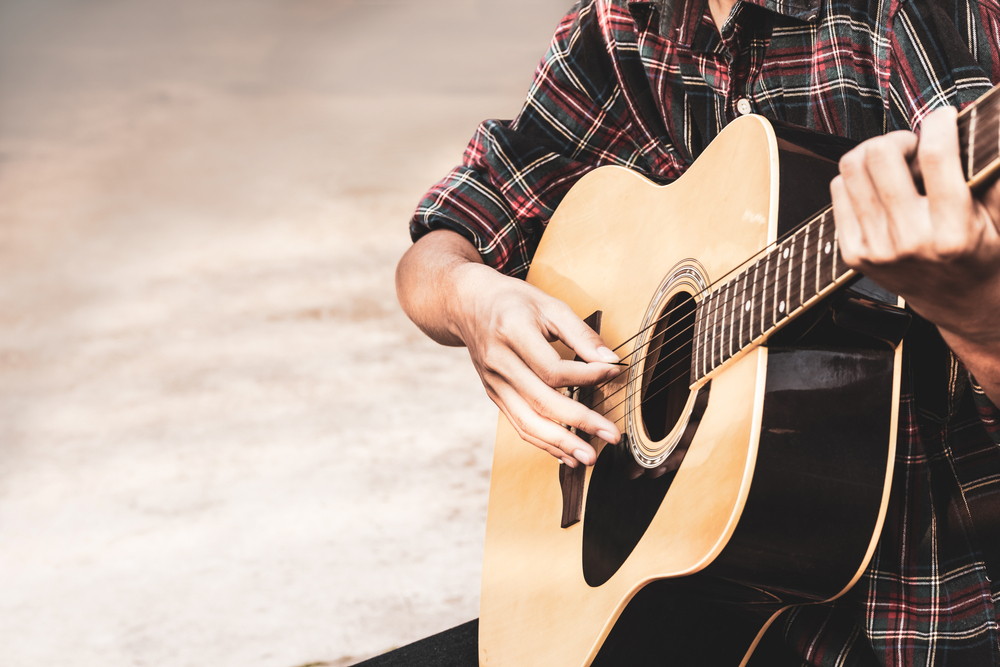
<point>667,365</point>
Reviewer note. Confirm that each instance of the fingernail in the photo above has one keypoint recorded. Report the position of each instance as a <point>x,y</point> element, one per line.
<point>607,436</point>
<point>568,461</point>
<point>582,456</point>
<point>607,355</point>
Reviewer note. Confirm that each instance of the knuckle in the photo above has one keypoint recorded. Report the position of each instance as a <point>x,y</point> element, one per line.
<point>882,257</point>
<point>520,425</point>
<point>852,163</point>
<point>537,405</point>
<point>950,248</point>
<point>584,423</point>
<point>500,326</point>
<point>932,154</point>
<point>882,151</point>
<point>490,358</point>
<point>549,375</point>
<point>850,254</point>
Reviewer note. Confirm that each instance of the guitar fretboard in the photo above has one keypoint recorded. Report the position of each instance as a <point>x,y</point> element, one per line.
<point>788,278</point>
<point>979,136</point>
<point>780,284</point>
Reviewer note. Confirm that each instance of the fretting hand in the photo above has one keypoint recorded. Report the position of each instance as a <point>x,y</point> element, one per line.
<point>940,250</point>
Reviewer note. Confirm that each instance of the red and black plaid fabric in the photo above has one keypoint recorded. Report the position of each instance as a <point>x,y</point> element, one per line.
<point>647,85</point>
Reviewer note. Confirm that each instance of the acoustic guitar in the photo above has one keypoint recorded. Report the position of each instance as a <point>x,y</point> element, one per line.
<point>758,410</point>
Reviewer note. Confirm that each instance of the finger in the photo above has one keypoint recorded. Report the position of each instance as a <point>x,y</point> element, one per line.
<point>878,185</point>
<point>859,196</point>
<point>904,212</point>
<point>503,369</point>
<point>574,332</point>
<point>939,158</point>
<point>541,432</point>
<point>539,355</point>
<point>949,200</point>
<point>558,407</point>
<point>849,234</point>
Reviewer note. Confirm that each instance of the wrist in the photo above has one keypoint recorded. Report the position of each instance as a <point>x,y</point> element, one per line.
<point>470,285</point>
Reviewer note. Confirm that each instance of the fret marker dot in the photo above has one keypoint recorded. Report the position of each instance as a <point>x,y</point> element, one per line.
<point>781,307</point>
<point>747,307</point>
<point>827,248</point>
<point>785,254</point>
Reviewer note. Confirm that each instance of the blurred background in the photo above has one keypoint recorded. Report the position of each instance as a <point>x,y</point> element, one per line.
<point>221,442</point>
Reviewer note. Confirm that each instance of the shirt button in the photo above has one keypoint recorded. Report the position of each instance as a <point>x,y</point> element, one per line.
<point>743,106</point>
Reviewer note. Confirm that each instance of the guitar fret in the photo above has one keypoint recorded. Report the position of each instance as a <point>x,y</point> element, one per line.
<point>825,264</point>
<point>744,323</point>
<point>833,255</point>
<point>766,319</point>
<point>696,351</point>
<point>781,291</point>
<point>713,362</point>
<point>805,262</point>
<point>819,251</point>
<point>972,144</point>
<point>722,325</point>
<point>755,320</point>
<point>732,314</point>
<point>841,266</point>
<point>793,259</point>
<point>775,286</point>
<point>707,345</point>
<point>704,334</point>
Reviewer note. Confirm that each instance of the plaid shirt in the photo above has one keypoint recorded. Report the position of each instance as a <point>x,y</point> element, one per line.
<point>647,85</point>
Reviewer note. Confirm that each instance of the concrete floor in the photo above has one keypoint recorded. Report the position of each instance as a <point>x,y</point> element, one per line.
<point>221,443</point>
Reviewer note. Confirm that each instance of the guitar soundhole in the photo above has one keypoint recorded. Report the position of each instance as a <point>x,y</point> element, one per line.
<point>668,367</point>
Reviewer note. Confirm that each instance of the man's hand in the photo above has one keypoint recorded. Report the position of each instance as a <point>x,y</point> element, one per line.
<point>940,250</point>
<point>508,326</point>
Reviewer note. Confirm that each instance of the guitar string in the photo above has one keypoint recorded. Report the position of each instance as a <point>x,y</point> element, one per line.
<point>684,359</point>
<point>771,280</point>
<point>836,260</point>
<point>746,263</point>
<point>808,267</point>
<point>656,376</point>
<point>730,302</point>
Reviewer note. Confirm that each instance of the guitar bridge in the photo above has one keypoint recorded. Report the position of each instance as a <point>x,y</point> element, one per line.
<point>571,479</point>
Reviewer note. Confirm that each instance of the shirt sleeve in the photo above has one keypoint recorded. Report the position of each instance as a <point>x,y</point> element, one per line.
<point>941,52</point>
<point>514,173</point>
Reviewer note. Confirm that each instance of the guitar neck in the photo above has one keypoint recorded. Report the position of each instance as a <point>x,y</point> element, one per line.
<point>979,138</point>
<point>790,277</point>
<point>784,281</point>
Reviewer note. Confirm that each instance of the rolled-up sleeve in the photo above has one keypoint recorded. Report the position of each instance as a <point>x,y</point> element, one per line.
<point>514,173</point>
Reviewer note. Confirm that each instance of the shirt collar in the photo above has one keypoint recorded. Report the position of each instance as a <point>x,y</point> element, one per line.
<point>679,19</point>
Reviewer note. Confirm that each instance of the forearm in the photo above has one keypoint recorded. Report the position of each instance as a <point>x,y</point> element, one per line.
<point>427,280</point>
<point>508,326</point>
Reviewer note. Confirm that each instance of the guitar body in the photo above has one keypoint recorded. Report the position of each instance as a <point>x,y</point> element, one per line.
<point>776,487</point>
